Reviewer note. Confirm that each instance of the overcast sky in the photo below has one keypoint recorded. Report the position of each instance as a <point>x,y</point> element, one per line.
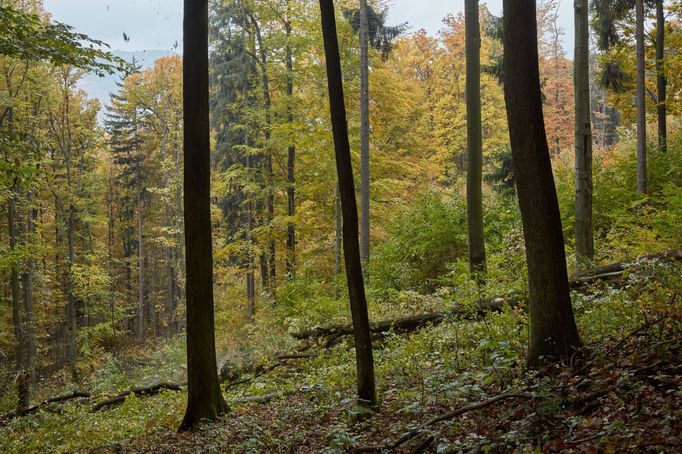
<point>157,24</point>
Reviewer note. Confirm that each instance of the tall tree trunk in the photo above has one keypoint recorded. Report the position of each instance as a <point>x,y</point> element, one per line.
<point>477,263</point>
<point>351,246</point>
<point>180,263</point>
<point>27,284</point>
<point>584,241</point>
<point>15,291</point>
<point>71,313</point>
<point>291,157</point>
<point>553,332</point>
<point>169,306</point>
<point>364,134</point>
<point>204,398</point>
<point>110,248</point>
<point>250,275</point>
<point>140,268</point>
<point>338,224</point>
<point>660,77</point>
<point>269,269</point>
<point>60,343</point>
<point>640,97</point>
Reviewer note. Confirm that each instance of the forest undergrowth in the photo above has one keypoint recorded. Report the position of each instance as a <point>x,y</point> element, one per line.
<point>620,394</point>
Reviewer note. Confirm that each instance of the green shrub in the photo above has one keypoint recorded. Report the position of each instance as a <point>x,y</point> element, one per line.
<point>421,242</point>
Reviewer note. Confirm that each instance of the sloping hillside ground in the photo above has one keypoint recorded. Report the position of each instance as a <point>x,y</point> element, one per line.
<point>621,394</point>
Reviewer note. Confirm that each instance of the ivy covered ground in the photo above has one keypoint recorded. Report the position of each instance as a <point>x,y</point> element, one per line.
<point>621,394</point>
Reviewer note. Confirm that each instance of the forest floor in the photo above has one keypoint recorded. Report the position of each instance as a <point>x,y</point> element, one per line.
<point>460,386</point>
<point>627,400</point>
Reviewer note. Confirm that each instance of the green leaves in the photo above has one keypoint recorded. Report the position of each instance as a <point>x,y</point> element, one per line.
<point>28,37</point>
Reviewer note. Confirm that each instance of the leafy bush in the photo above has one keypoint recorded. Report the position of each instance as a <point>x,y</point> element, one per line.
<point>421,242</point>
<point>627,222</point>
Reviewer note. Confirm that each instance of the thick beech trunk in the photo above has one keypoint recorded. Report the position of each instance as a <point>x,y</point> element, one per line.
<point>204,398</point>
<point>553,332</point>
<point>351,246</point>
<point>584,241</point>
<point>474,140</point>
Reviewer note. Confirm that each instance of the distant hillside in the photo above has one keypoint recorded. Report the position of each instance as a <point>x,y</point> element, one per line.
<point>102,87</point>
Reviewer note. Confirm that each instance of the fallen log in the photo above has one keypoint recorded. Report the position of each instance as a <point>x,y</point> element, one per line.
<point>230,372</point>
<point>582,276</point>
<point>34,408</point>
<point>414,322</point>
<point>145,391</point>
<point>580,282</point>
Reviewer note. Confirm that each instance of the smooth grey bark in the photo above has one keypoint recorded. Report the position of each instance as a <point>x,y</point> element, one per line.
<point>477,263</point>
<point>640,97</point>
<point>553,332</point>
<point>351,246</point>
<point>584,238</point>
<point>661,82</point>
<point>204,398</point>
<point>364,134</point>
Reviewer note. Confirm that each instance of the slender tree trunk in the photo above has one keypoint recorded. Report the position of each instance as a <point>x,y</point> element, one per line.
<point>179,246</point>
<point>553,332</point>
<point>338,223</point>
<point>660,77</point>
<point>351,246</point>
<point>250,276</point>
<point>17,318</point>
<point>291,158</point>
<point>169,305</point>
<point>584,241</point>
<point>640,96</point>
<point>204,398</point>
<point>71,313</point>
<point>27,284</point>
<point>270,202</point>
<point>474,140</point>
<point>60,345</point>
<point>364,134</point>
<point>140,268</point>
<point>110,249</point>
